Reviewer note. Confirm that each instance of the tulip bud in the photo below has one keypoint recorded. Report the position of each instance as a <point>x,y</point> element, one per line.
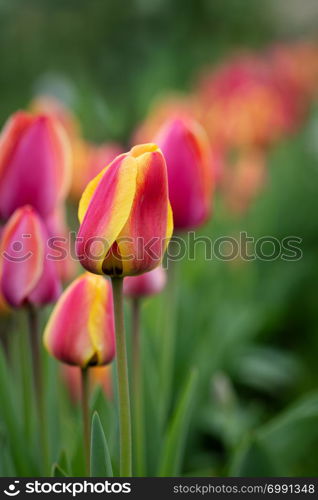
<point>189,165</point>
<point>34,164</point>
<point>99,376</point>
<point>125,215</point>
<point>80,330</point>
<point>27,274</point>
<point>145,284</point>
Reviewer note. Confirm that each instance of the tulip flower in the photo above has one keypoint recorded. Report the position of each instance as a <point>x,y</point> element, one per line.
<point>189,165</point>
<point>28,276</point>
<point>147,284</point>
<point>125,211</point>
<point>80,330</point>
<point>34,164</point>
<point>126,208</point>
<point>242,105</point>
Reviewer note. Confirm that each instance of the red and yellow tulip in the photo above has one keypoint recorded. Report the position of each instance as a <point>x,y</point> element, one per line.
<point>80,330</point>
<point>125,215</point>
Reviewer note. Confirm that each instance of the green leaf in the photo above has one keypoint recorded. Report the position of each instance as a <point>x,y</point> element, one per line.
<point>57,471</point>
<point>101,465</point>
<point>177,430</point>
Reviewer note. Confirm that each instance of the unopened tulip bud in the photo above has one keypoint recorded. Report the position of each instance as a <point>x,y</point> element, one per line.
<point>34,164</point>
<point>125,215</point>
<point>80,330</point>
<point>27,274</point>
<point>188,155</point>
<point>145,284</point>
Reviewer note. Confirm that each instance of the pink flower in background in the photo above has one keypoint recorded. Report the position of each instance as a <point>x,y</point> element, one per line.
<point>242,105</point>
<point>187,152</point>
<point>34,164</point>
<point>244,179</point>
<point>145,284</point>
<point>27,275</point>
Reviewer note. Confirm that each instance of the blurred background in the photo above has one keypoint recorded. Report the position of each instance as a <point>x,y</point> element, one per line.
<point>251,328</point>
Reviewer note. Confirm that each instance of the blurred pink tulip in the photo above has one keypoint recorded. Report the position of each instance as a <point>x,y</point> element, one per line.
<point>145,284</point>
<point>34,164</point>
<point>242,105</point>
<point>187,152</point>
<point>27,275</point>
<point>80,330</point>
<point>243,180</point>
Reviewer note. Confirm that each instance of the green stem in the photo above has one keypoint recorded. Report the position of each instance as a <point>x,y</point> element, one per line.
<point>122,378</point>
<point>34,334</point>
<point>86,418</point>
<point>139,425</point>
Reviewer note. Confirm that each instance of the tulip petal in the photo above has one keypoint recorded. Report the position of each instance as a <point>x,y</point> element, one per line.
<point>104,209</point>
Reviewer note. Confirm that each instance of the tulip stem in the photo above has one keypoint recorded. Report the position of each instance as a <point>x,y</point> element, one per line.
<point>34,333</point>
<point>122,380</point>
<point>86,418</point>
<point>137,390</point>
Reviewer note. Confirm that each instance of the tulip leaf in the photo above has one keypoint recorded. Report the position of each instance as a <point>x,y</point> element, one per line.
<point>101,465</point>
<point>57,471</point>
<point>175,439</point>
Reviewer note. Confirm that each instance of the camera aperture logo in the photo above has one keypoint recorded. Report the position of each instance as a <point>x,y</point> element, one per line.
<point>72,488</point>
